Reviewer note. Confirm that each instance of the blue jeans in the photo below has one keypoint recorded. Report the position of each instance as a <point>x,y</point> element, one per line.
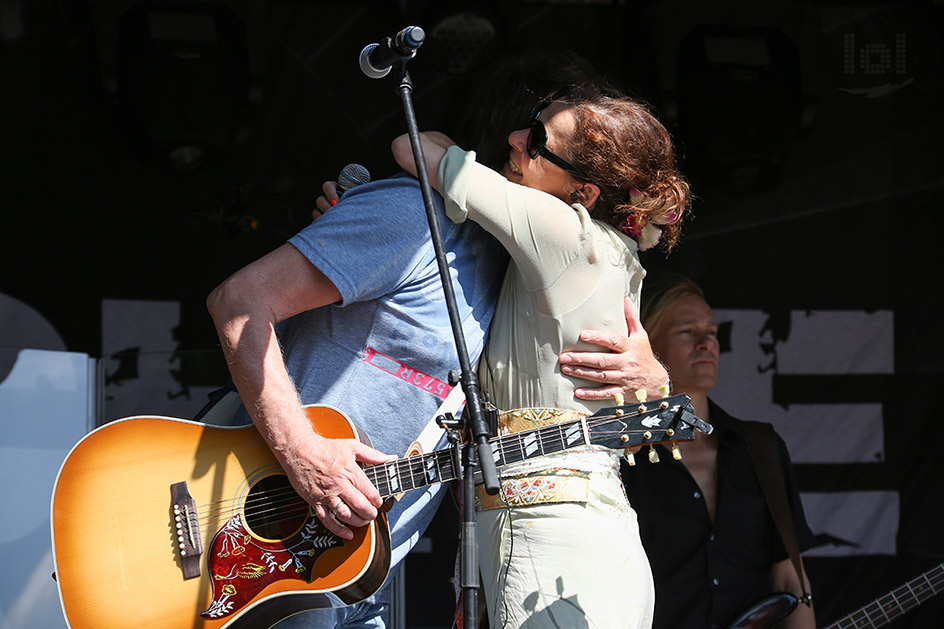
<point>370,613</point>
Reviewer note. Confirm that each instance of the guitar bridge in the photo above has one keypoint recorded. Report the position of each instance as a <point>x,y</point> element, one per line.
<point>187,527</point>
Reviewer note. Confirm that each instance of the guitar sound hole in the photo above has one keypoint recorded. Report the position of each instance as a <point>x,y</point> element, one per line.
<point>273,510</point>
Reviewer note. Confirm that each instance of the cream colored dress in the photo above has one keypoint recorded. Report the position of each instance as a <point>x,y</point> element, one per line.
<point>560,546</point>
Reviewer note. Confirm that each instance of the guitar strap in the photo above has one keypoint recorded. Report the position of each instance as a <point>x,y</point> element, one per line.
<point>762,445</point>
<point>431,434</point>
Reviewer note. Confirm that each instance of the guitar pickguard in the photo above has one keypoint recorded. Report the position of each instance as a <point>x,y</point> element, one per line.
<point>241,565</point>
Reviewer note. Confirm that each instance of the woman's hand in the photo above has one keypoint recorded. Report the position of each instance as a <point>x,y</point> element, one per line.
<point>327,200</point>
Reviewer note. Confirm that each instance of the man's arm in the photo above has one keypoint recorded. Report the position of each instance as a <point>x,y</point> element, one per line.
<point>245,309</point>
<point>629,364</point>
<point>783,578</point>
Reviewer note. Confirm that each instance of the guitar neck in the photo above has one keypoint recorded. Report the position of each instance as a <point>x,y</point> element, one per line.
<point>423,470</point>
<point>896,603</point>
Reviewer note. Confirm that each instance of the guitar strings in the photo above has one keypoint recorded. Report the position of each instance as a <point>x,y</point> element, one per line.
<point>267,501</point>
<point>890,607</point>
<point>287,495</point>
<point>407,468</point>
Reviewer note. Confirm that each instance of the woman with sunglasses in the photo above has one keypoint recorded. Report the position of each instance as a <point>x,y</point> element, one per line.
<point>587,185</point>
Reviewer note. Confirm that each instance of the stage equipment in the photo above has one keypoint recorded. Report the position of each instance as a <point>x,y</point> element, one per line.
<point>182,79</point>
<point>739,103</point>
<point>463,39</point>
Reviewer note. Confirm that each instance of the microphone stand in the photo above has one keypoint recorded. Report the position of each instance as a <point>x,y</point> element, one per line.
<point>476,453</point>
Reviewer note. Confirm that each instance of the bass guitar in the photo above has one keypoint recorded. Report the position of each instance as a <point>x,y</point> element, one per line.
<point>896,603</point>
<point>162,522</point>
<point>878,613</point>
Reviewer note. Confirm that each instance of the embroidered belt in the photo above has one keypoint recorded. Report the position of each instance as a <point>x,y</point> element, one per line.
<point>544,487</point>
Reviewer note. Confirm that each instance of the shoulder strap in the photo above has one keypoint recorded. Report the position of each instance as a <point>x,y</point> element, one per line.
<point>426,441</point>
<point>762,445</point>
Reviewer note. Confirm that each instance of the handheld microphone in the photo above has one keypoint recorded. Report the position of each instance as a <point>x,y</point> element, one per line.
<point>377,59</point>
<point>350,176</point>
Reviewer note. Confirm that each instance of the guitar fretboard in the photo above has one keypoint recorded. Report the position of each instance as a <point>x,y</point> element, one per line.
<point>896,603</point>
<point>424,470</point>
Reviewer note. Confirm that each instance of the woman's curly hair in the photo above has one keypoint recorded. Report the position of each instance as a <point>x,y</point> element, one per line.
<point>627,152</point>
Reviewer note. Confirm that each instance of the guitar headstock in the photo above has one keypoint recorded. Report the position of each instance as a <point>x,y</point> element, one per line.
<point>668,419</point>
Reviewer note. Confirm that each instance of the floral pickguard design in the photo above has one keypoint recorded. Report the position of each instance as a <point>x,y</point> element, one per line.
<point>242,565</point>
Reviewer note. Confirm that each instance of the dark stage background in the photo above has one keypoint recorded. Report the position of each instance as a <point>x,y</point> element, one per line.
<point>811,132</point>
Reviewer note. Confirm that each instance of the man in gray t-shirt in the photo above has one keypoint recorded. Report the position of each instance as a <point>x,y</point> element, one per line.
<point>351,313</point>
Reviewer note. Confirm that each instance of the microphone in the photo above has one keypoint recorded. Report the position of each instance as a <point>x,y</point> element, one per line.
<point>350,176</point>
<point>377,59</point>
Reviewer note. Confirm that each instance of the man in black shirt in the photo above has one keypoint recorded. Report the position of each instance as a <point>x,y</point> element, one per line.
<point>712,544</point>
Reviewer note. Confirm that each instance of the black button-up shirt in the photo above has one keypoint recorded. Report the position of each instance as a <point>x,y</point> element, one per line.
<point>706,575</point>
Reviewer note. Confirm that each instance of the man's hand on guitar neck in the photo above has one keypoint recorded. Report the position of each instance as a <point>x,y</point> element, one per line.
<point>628,366</point>
<point>326,474</point>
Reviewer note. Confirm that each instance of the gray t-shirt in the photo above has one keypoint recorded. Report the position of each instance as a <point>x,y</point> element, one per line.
<point>382,355</point>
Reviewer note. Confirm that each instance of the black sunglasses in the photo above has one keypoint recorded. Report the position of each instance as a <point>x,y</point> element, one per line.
<point>537,145</point>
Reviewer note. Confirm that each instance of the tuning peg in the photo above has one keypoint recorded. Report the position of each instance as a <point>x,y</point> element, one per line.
<point>628,453</point>
<point>641,395</point>
<point>664,390</point>
<point>676,453</point>
<point>653,455</point>
<point>619,401</point>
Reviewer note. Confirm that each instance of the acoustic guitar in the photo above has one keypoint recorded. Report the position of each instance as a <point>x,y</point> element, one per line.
<point>162,522</point>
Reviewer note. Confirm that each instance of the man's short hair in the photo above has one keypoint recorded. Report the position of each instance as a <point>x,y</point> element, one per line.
<point>660,293</point>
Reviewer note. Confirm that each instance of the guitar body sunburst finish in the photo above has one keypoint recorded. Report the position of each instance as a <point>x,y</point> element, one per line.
<point>115,536</point>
